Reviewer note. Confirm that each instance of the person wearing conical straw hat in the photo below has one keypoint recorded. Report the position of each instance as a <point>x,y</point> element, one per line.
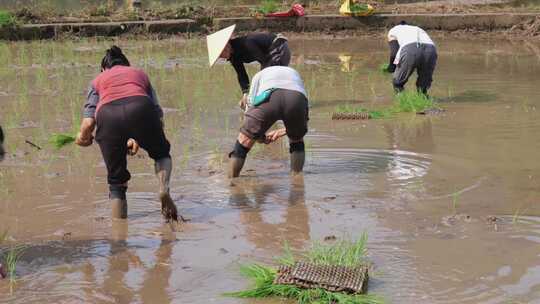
<point>123,105</point>
<point>266,48</point>
<point>276,93</point>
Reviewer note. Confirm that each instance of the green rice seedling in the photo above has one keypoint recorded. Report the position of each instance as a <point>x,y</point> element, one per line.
<point>11,259</point>
<point>380,114</point>
<point>343,253</point>
<point>348,108</point>
<point>59,140</point>
<point>517,215</point>
<point>455,197</point>
<point>411,101</point>
<point>287,258</point>
<point>3,236</point>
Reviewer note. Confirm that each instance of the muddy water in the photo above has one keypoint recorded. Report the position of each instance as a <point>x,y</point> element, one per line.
<point>421,187</point>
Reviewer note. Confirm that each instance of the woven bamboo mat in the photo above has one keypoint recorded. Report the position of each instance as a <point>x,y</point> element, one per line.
<point>331,278</point>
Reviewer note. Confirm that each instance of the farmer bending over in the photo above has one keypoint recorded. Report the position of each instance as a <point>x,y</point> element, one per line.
<point>125,108</point>
<point>266,48</point>
<point>411,48</point>
<point>276,93</point>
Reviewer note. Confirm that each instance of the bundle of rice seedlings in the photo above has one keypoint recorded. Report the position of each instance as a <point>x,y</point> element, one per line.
<point>373,114</point>
<point>412,101</point>
<point>342,253</point>
<point>384,67</point>
<point>59,140</point>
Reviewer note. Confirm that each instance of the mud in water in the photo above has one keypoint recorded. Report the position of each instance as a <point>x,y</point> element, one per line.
<point>450,201</point>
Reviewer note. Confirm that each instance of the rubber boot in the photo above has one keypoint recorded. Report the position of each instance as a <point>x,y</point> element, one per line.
<point>297,161</point>
<point>119,208</point>
<point>235,166</point>
<point>163,169</point>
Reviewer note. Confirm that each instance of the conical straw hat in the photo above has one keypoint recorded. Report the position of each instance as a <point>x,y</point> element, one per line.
<point>216,43</point>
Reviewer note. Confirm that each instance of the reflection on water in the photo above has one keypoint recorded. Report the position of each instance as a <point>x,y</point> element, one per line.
<point>271,229</point>
<point>110,270</point>
<point>396,179</point>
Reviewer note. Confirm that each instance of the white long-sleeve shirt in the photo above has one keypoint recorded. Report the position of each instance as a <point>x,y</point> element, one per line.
<point>275,77</point>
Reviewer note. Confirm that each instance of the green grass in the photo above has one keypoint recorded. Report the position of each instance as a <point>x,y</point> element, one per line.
<point>6,19</point>
<point>384,67</point>
<point>344,253</point>
<point>60,140</point>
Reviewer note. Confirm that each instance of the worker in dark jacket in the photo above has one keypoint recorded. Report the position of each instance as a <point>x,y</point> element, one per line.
<point>411,49</point>
<point>266,48</point>
<point>124,107</point>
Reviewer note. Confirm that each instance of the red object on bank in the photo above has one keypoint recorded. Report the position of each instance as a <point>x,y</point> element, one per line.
<point>297,10</point>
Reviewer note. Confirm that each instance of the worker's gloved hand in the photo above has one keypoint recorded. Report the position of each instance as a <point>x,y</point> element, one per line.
<point>132,147</point>
<point>391,68</point>
<point>243,102</point>
<point>84,141</point>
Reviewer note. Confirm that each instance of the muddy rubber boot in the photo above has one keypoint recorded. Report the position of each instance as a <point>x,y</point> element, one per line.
<point>119,208</point>
<point>163,172</point>
<point>297,161</point>
<point>235,166</point>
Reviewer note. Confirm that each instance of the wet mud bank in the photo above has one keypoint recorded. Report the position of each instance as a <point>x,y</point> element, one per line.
<point>445,22</point>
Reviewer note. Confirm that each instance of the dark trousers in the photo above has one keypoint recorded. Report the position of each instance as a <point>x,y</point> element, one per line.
<point>419,57</point>
<point>289,106</point>
<point>133,117</point>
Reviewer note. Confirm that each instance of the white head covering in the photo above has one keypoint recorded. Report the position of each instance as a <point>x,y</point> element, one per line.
<point>216,43</point>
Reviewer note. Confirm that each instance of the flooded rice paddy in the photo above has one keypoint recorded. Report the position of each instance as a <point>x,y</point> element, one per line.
<point>450,202</point>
